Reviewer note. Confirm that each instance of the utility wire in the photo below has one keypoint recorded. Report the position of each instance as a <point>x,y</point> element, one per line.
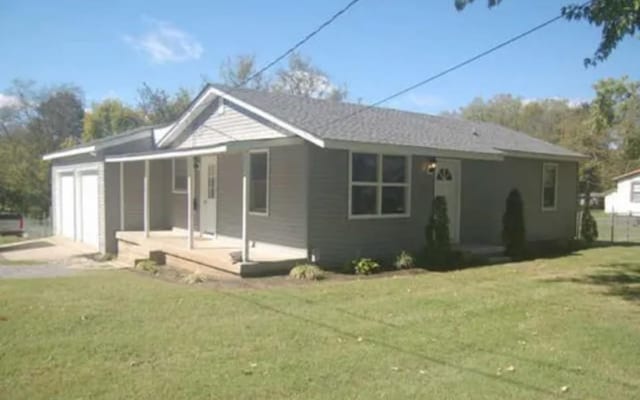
<point>448,70</point>
<point>298,44</point>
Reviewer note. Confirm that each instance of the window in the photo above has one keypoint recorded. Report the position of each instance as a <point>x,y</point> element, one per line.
<point>259,182</point>
<point>549,186</point>
<point>179,174</point>
<point>379,185</point>
<point>635,192</point>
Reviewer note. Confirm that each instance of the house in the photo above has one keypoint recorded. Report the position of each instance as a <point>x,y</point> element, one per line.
<point>626,197</point>
<point>270,178</point>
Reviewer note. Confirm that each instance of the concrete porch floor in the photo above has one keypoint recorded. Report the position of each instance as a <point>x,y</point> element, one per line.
<point>213,253</point>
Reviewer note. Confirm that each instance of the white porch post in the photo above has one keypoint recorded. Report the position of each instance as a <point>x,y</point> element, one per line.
<point>121,196</point>
<point>190,202</point>
<point>245,205</point>
<point>146,198</point>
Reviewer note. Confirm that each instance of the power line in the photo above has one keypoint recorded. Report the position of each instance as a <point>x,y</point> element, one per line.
<point>299,43</point>
<point>448,70</point>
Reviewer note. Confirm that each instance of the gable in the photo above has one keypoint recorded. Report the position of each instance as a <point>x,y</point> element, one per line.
<point>229,123</point>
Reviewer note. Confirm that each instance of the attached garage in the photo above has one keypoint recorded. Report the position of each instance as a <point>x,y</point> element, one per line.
<point>76,206</point>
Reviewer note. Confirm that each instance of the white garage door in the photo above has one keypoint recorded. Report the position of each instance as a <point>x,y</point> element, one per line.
<point>89,208</point>
<point>66,206</point>
<point>77,207</point>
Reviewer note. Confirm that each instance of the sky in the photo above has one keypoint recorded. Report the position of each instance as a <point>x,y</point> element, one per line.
<point>378,47</point>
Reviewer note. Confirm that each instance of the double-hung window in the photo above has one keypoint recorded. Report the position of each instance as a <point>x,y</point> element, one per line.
<point>635,192</point>
<point>379,185</point>
<point>549,186</point>
<point>179,175</point>
<point>259,182</point>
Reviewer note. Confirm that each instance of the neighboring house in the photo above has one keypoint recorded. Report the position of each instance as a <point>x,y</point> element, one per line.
<point>253,172</point>
<point>626,197</point>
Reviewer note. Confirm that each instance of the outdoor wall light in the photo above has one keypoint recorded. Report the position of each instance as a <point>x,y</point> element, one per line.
<point>430,165</point>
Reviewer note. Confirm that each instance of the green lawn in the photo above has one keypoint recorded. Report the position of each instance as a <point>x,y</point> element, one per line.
<point>513,331</point>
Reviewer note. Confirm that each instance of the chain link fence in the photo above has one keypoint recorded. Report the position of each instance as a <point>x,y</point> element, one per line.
<point>616,227</point>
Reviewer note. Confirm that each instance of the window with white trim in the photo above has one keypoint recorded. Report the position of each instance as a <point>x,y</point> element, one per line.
<point>635,192</point>
<point>179,175</point>
<point>379,185</point>
<point>549,186</point>
<point>259,182</point>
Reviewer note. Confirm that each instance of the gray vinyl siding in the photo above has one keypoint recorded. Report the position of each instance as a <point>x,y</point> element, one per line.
<point>233,124</point>
<point>486,184</point>
<point>159,200</point>
<point>336,239</point>
<point>286,224</point>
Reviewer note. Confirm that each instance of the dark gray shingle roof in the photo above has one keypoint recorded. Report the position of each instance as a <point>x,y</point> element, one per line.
<point>333,120</point>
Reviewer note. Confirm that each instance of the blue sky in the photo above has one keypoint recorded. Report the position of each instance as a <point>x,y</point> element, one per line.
<point>380,46</point>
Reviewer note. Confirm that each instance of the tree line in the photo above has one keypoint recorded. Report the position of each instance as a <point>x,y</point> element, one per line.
<point>41,120</point>
<point>606,129</point>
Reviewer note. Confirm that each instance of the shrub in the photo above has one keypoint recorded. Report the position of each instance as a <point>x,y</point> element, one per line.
<point>588,225</point>
<point>513,227</point>
<point>437,232</point>
<point>307,272</point>
<point>365,266</point>
<point>404,261</point>
<point>147,265</point>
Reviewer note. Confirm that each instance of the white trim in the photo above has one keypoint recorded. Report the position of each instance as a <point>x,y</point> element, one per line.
<point>245,206</point>
<point>69,153</point>
<point>268,153</point>
<point>168,154</point>
<point>541,156</point>
<point>126,138</point>
<point>122,196</point>
<point>212,91</point>
<point>555,189</point>
<point>379,184</point>
<point>190,190</point>
<point>364,147</point>
<point>173,177</point>
<point>145,194</point>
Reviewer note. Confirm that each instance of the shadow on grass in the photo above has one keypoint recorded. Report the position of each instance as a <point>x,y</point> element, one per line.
<point>416,353</point>
<point>618,279</point>
<point>26,246</point>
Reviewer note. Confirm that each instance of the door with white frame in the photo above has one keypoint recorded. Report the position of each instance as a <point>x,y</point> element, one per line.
<point>447,184</point>
<point>208,194</point>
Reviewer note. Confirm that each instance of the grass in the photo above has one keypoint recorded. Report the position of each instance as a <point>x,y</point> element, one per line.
<point>9,239</point>
<point>512,331</point>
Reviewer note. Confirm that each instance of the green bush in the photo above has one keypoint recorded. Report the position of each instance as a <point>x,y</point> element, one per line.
<point>307,272</point>
<point>365,266</point>
<point>437,233</point>
<point>404,261</point>
<point>513,226</point>
<point>588,225</point>
<point>147,265</point>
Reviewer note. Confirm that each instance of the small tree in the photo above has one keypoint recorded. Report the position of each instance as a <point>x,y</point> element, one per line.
<point>588,225</point>
<point>513,227</point>
<point>437,232</point>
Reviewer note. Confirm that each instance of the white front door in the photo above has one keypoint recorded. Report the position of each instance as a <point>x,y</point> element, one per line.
<point>66,206</point>
<point>208,194</point>
<point>89,208</point>
<point>447,184</point>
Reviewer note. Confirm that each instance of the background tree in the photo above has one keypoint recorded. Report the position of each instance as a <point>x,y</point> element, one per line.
<point>616,18</point>
<point>235,71</point>
<point>300,77</point>
<point>157,106</point>
<point>588,224</point>
<point>110,117</point>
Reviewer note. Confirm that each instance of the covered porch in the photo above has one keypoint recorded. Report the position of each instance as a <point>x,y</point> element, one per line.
<point>210,220</point>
